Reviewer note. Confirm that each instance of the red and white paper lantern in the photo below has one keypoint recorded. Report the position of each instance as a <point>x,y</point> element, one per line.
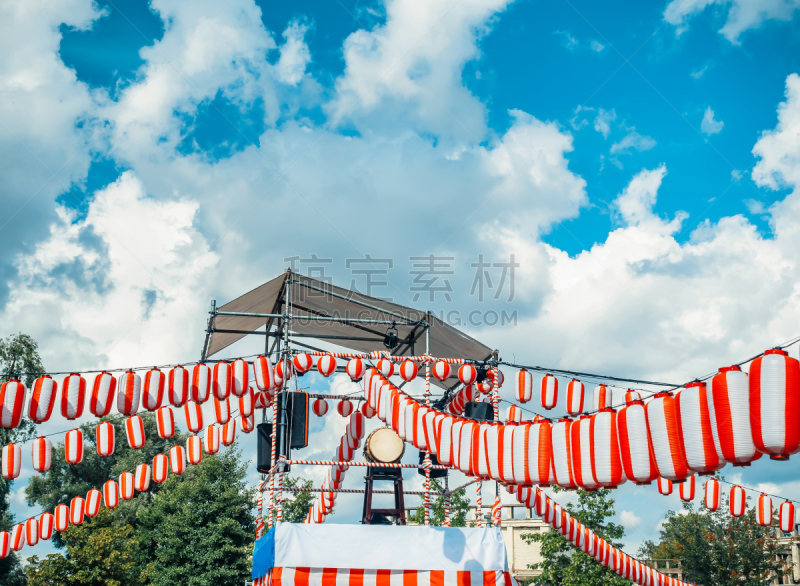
<point>193,413</point>
<point>221,380</point>
<point>697,436</point>
<point>302,362</point>
<point>160,468</point>
<point>46,526</point>
<point>786,516</point>
<point>92,506</point>
<point>211,440</point>
<point>194,449</point>
<point>524,389</point>
<point>177,460</point>
<point>5,544</point>
<point>319,407</point>
<point>601,398</point>
<point>687,489</point>
<point>385,367</point>
<point>165,422</point>
<point>326,365</point>
<point>134,430</point>
<point>246,401</point>
<point>408,370</point>
<point>467,374</point>
<point>201,383</point>
<point>575,394</point>
<point>664,485</point>
<point>606,461</point>
<point>240,377</point>
<point>12,403</point>
<point>562,454</point>
<point>345,408</point>
<point>42,451</point>
<point>222,410</point>
<point>634,443</point>
<point>130,388</point>
<point>764,510</point>
<point>549,391</point>
<point>127,482</point>
<point>73,447</point>
<point>738,501</point>
<point>77,510</point>
<point>262,368</point>
<point>12,460</point>
<point>43,398</point>
<point>229,433</point>
<point>775,404</point>
<point>73,396</point>
<point>153,390</point>
<point>366,410</point>
<point>103,392</point>
<point>18,537</point>
<point>441,370</point>
<point>665,437</point>
<point>356,369</point>
<point>514,414</point>
<point>178,386</point>
<point>105,439</point>
<point>61,518</point>
<point>111,494</point>
<point>711,494</point>
<point>581,452</point>
<point>729,406</point>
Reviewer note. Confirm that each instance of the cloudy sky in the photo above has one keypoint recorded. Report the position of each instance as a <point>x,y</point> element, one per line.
<point>638,166</point>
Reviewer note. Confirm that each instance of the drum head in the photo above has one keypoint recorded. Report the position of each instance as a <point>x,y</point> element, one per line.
<point>384,445</point>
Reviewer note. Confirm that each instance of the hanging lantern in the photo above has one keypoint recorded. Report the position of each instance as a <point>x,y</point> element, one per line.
<point>786,516</point>
<point>562,456</point>
<point>601,398</point>
<point>111,494</point>
<point>42,454</point>
<point>356,369</point>
<point>302,363</point>
<point>248,423</point>
<point>712,494</point>
<point>697,437</point>
<point>320,407</point>
<point>46,525</point>
<point>194,416</point>
<point>385,367</point>
<point>73,447</point>
<point>524,389</point>
<point>549,388</point>
<point>201,383</point>
<point>61,518</point>
<point>153,390</point>
<point>764,510</point>
<point>12,403</point>
<point>634,444</point>
<point>240,377</point>
<point>664,486</point>
<point>104,438</point>
<point>262,368</point>
<point>211,440</point>
<point>664,429</point>
<point>261,400</point>
<point>246,403</point>
<point>356,427</point>
<point>729,407</point>
<point>485,387</point>
<point>229,433</point>
<point>408,370</point>
<point>104,390</point>
<point>92,503</point>
<point>632,396</point>
<point>496,373</point>
<point>130,386</point>
<point>222,410</point>
<point>127,482</point>
<point>738,501</point>
<point>12,459</point>
<point>5,544</point>
<point>165,422</point>
<point>178,386</point>
<point>467,374</point>
<point>514,414</point>
<point>194,449</point>
<point>605,451</point>
<point>441,370</point>
<point>221,380</point>
<point>43,398</point>
<point>368,411</point>
<point>580,446</point>
<point>18,537</point>
<point>77,510</point>
<point>687,489</point>
<point>775,404</point>
<point>345,408</point>
<point>177,460</point>
<point>73,396</point>
<point>575,394</point>
<point>134,430</point>
<point>160,467</point>
<point>326,365</point>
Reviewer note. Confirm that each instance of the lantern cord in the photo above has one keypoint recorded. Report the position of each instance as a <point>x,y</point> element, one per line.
<point>777,496</point>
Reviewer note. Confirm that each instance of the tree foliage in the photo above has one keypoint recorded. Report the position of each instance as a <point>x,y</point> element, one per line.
<point>715,548</point>
<point>19,358</point>
<point>297,504</point>
<point>459,507</point>
<point>563,564</point>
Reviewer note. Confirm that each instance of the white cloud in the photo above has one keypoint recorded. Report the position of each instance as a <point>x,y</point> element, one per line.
<point>635,203</point>
<point>603,120</point>
<point>698,73</point>
<point>633,141</point>
<point>569,42</point>
<point>779,149</point>
<point>295,55</point>
<point>630,519</point>
<point>710,125</point>
<point>742,15</point>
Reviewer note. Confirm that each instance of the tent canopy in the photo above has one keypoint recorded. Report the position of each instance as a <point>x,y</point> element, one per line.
<point>311,297</point>
<point>380,547</point>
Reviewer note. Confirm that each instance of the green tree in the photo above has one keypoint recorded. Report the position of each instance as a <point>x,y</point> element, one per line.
<point>716,549</point>
<point>566,565</point>
<point>19,358</point>
<point>297,504</point>
<point>199,529</point>
<point>459,507</point>
<point>100,552</point>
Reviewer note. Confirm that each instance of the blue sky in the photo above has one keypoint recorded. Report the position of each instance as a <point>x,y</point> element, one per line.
<point>638,161</point>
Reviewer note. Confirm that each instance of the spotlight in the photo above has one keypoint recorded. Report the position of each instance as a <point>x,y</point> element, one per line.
<point>390,339</point>
<point>481,375</point>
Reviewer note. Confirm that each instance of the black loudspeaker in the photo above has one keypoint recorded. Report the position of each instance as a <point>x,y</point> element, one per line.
<point>264,447</point>
<point>296,431</point>
<point>435,462</point>
<point>479,411</point>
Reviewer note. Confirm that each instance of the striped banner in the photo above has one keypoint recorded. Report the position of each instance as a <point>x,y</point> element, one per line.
<point>354,577</point>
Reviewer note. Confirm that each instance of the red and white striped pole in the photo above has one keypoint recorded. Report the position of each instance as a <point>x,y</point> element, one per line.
<point>446,502</point>
<point>478,507</point>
